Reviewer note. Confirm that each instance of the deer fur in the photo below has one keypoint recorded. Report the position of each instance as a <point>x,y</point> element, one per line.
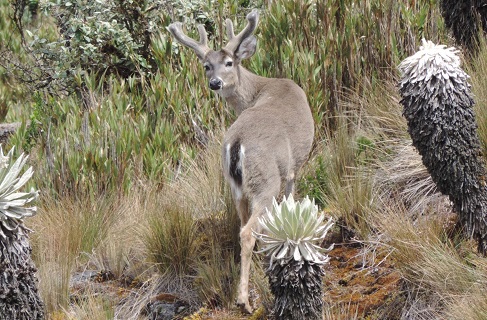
<point>270,140</point>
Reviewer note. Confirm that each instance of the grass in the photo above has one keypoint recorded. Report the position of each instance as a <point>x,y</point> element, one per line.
<point>171,240</point>
<point>129,187</point>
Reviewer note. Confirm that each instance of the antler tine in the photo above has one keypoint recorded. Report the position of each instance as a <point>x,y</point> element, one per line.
<point>235,41</point>
<point>200,48</point>
<point>230,34</point>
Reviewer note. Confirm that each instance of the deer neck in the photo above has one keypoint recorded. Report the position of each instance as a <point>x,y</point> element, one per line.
<point>246,91</point>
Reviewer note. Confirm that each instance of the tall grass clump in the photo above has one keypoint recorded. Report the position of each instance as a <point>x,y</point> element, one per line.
<point>66,233</point>
<point>190,232</point>
<point>342,170</point>
<point>216,277</point>
<point>442,271</point>
<point>171,240</point>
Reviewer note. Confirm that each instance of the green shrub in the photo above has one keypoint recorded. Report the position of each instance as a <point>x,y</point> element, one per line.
<point>101,37</point>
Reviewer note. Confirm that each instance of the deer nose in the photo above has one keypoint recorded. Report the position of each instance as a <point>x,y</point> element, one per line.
<point>216,84</point>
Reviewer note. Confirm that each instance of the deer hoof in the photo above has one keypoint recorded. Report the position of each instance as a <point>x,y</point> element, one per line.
<point>245,307</point>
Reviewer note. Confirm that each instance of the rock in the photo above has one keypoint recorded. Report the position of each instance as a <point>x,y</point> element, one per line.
<point>7,129</point>
<point>166,307</point>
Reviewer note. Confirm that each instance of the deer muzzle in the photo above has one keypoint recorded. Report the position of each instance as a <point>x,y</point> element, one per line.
<point>216,84</point>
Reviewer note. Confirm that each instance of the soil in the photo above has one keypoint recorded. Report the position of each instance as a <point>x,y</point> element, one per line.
<point>360,283</point>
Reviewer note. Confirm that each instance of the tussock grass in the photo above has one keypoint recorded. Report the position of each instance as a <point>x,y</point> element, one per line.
<point>441,271</point>
<point>405,175</point>
<point>64,230</point>
<point>342,171</point>
<point>216,278</point>
<point>472,306</point>
<point>91,308</point>
<point>340,312</point>
<point>170,239</point>
<point>78,234</point>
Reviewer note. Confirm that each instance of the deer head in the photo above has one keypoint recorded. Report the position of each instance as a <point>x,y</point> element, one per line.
<point>222,67</point>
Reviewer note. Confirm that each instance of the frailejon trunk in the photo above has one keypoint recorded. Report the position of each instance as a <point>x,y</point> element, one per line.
<point>19,297</point>
<point>298,289</point>
<point>464,18</point>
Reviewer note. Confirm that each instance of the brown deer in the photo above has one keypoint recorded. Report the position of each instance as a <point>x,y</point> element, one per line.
<point>270,140</point>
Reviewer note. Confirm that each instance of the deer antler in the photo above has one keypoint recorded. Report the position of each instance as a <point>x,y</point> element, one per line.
<point>235,41</point>
<point>200,48</point>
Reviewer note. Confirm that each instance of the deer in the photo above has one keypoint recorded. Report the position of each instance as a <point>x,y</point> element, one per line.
<point>270,139</point>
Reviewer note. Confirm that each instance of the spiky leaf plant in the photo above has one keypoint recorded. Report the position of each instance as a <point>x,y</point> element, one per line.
<point>291,236</point>
<point>438,108</point>
<point>19,297</point>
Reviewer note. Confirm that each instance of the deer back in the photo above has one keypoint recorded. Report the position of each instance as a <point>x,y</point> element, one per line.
<point>276,133</point>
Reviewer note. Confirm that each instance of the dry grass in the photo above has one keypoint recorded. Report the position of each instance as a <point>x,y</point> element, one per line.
<point>477,69</point>
<point>388,192</point>
<point>368,125</point>
<point>441,271</point>
<point>93,307</point>
<point>405,176</point>
<point>63,230</point>
<point>340,312</point>
<point>171,239</point>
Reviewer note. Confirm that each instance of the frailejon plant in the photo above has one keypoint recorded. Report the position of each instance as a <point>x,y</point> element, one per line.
<point>438,106</point>
<point>19,297</point>
<point>466,19</point>
<point>291,238</point>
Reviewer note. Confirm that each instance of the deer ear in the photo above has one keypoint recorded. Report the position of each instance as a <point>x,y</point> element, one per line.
<point>246,49</point>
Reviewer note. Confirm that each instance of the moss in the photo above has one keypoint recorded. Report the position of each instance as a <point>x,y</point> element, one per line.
<point>198,315</point>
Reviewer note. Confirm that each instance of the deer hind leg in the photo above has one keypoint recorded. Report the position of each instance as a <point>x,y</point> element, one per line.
<point>247,243</point>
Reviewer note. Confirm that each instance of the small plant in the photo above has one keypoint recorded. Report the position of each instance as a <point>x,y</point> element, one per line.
<point>315,182</point>
<point>19,298</point>
<point>292,232</point>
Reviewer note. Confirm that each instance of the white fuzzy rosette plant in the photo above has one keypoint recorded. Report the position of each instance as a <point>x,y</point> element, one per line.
<point>13,203</point>
<point>19,297</point>
<point>291,236</point>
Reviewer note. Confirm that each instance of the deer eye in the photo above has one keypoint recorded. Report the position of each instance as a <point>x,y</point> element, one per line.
<point>229,64</point>
<point>207,67</point>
